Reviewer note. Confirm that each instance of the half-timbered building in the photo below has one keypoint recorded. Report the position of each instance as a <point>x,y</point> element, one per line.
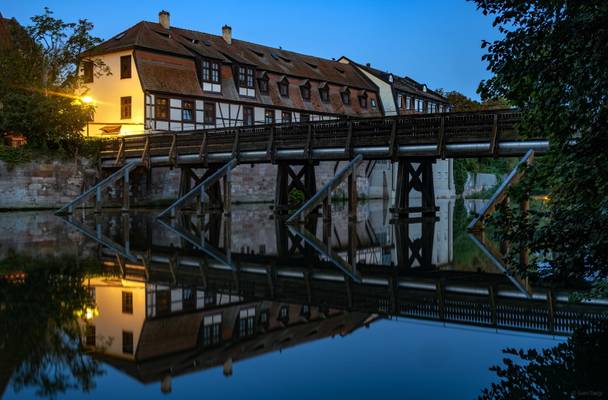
<point>166,78</point>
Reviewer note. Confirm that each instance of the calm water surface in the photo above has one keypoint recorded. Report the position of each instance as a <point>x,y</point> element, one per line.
<point>247,307</point>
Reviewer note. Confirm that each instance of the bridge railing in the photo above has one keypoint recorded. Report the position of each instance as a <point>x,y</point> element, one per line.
<point>440,129</point>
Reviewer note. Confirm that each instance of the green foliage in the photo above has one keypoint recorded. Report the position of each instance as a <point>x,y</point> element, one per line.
<point>39,81</point>
<point>574,369</point>
<point>39,330</point>
<point>551,63</point>
<point>296,197</point>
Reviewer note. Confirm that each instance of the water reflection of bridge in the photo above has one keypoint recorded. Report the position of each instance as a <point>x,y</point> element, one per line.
<point>205,293</point>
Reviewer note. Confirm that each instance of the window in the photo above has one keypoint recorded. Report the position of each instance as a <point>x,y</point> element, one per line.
<point>373,103</point>
<point>211,71</point>
<point>209,113</point>
<point>188,111</point>
<point>304,117</point>
<point>324,93</point>
<point>264,320</point>
<point>125,67</point>
<point>363,101</point>
<point>419,104</point>
<point>269,116</point>
<point>189,298</point>
<point>212,328</point>
<point>286,117</point>
<point>90,334</point>
<point>305,90</point>
<point>246,322</point>
<point>127,303</point>
<point>284,88</point>
<point>246,77</point>
<point>127,342</point>
<point>345,95</point>
<point>125,107</point>
<point>263,85</point>
<point>408,103</point>
<point>401,102</point>
<point>247,116</point>
<point>210,298</point>
<point>305,311</point>
<point>87,71</point>
<point>161,108</point>
<point>163,302</point>
<point>284,314</point>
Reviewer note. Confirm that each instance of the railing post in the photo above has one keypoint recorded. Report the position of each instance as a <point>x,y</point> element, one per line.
<point>98,199</point>
<point>125,191</point>
<point>227,191</point>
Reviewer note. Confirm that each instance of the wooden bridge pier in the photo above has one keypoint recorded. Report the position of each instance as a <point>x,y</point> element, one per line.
<point>189,178</point>
<point>411,250</point>
<point>415,174</point>
<point>289,178</point>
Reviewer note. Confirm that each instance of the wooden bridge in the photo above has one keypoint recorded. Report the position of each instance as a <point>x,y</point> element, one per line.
<point>466,134</point>
<point>414,141</point>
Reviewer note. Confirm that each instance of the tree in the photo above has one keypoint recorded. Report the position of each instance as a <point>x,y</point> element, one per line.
<point>574,369</point>
<point>40,80</point>
<point>551,63</point>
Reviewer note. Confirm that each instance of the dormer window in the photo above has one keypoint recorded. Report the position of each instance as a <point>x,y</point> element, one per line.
<point>363,99</point>
<point>246,77</point>
<point>345,95</point>
<point>283,86</point>
<point>263,82</point>
<point>324,92</point>
<point>211,71</point>
<point>305,90</point>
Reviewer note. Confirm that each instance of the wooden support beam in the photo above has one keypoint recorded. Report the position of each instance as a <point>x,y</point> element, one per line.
<point>235,145</point>
<point>145,154</point>
<point>270,144</point>
<point>322,196</point>
<point>393,141</point>
<point>125,190</point>
<point>203,150</point>
<point>120,156</point>
<point>494,137</point>
<point>173,150</point>
<point>441,139</point>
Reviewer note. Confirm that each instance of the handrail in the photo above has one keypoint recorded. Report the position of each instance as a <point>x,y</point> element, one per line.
<point>200,188</point>
<point>500,193</point>
<point>326,190</point>
<point>100,185</point>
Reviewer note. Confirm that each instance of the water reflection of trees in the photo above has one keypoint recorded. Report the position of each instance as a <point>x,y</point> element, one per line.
<point>39,329</point>
<point>571,370</point>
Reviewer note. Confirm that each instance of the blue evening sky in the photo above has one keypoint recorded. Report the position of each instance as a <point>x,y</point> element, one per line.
<point>437,43</point>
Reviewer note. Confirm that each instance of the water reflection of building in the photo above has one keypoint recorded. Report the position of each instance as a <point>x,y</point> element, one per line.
<point>153,331</point>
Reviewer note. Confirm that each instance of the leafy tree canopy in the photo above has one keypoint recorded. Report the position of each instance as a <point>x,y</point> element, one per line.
<point>40,79</point>
<point>551,62</point>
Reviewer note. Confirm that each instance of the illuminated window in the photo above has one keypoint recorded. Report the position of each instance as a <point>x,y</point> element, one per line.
<point>161,108</point>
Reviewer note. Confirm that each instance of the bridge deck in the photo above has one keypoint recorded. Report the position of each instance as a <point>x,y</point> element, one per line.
<point>470,134</point>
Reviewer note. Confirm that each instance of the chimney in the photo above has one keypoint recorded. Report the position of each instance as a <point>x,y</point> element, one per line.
<point>227,34</point>
<point>163,19</point>
<point>368,65</point>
